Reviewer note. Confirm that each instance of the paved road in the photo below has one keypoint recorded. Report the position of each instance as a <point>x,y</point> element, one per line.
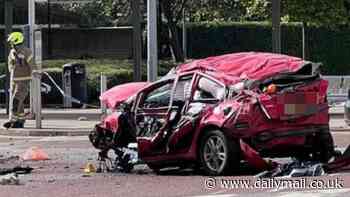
<point>62,175</point>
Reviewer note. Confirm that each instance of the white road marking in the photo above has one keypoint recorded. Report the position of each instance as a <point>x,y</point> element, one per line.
<point>18,137</point>
<point>307,193</point>
<point>218,192</point>
<point>63,138</point>
<point>315,193</point>
<point>218,195</point>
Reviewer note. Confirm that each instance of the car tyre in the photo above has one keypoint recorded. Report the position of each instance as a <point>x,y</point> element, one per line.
<point>218,154</point>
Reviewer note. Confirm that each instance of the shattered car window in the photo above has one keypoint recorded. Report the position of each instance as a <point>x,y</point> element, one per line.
<point>183,88</point>
<point>208,89</point>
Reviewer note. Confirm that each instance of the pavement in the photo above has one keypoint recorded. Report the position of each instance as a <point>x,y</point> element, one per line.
<point>64,114</point>
<point>79,122</point>
<point>56,122</point>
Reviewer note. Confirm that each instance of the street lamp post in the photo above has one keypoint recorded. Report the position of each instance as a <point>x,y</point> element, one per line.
<point>8,29</point>
<point>35,92</point>
<point>152,51</point>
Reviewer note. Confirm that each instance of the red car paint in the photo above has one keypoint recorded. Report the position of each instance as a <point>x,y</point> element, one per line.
<point>250,65</point>
<point>253,157</point>
<point>111,122</point>
<point>118,94</point>
<point>280,124</point>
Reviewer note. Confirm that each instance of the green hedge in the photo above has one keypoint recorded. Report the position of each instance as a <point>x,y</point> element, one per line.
<point>329,46</point>
<point>208,39</point>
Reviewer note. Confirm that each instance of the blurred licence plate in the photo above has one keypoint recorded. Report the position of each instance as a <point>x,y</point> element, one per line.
<point>299,103</point>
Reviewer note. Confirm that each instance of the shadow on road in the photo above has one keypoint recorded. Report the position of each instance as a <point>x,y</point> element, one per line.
<point>245,170</point>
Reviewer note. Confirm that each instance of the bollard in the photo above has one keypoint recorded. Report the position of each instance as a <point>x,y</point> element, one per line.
<point>37,93</point>
<point>103,88</point>
<point>10,96</point>
<point>67,88</point>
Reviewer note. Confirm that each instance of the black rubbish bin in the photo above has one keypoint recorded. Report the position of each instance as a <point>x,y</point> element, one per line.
<point>74,82</point>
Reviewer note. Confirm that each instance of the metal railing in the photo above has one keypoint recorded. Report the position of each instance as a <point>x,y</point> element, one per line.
<point>338,87</point>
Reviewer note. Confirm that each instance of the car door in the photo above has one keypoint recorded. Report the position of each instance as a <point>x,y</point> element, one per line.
<point>151,114</point>
<point>180,130</point>
<point>202,92</point>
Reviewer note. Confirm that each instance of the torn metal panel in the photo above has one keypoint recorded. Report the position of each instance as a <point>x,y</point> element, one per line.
<point>294,169</point>
<point>253,158</point>
<point>9,179</point>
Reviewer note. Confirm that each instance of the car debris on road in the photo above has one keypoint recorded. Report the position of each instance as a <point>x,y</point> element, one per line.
<point>10,168</point>
<point>16,169</point>
<point>299,168</point>
<point>9,179</point>
<point>294,169</point>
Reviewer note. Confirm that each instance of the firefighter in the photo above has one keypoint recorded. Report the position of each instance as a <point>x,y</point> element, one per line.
<point>21,68</point>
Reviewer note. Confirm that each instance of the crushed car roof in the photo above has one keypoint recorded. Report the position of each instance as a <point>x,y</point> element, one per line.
<point>247,65</point>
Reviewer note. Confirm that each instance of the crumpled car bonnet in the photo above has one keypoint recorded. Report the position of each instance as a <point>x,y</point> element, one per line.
<point>118,94</point>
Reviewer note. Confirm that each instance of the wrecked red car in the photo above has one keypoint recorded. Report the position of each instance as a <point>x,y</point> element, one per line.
<point>216,112</point>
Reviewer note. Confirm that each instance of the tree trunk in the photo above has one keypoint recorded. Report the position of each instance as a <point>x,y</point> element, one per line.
<point>174,36</point>
<point>175,42</point>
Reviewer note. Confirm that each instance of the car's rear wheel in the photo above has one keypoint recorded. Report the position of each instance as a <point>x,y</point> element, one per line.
<point>218,154</point>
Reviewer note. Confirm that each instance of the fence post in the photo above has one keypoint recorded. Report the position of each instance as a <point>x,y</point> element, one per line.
<point>303,39</point>
<point>103,88</point>
<point>184,34</point>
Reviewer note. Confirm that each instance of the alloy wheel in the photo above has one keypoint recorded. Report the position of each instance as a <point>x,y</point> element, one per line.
<point>215,153</point>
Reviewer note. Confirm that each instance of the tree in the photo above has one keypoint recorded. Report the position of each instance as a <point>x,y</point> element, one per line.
<point>199,10</point>
<point>215,10</point>
<point>317,12</point>
<point>172,10</point>
<point>256,10</point>
<point>91,14</point>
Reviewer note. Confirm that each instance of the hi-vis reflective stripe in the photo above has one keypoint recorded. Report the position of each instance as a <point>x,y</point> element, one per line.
<point>30,57</point>
<point>36,71</point>
<point>22,78</point>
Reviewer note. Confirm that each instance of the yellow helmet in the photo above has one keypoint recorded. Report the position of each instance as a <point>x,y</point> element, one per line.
<point>15,38</point>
